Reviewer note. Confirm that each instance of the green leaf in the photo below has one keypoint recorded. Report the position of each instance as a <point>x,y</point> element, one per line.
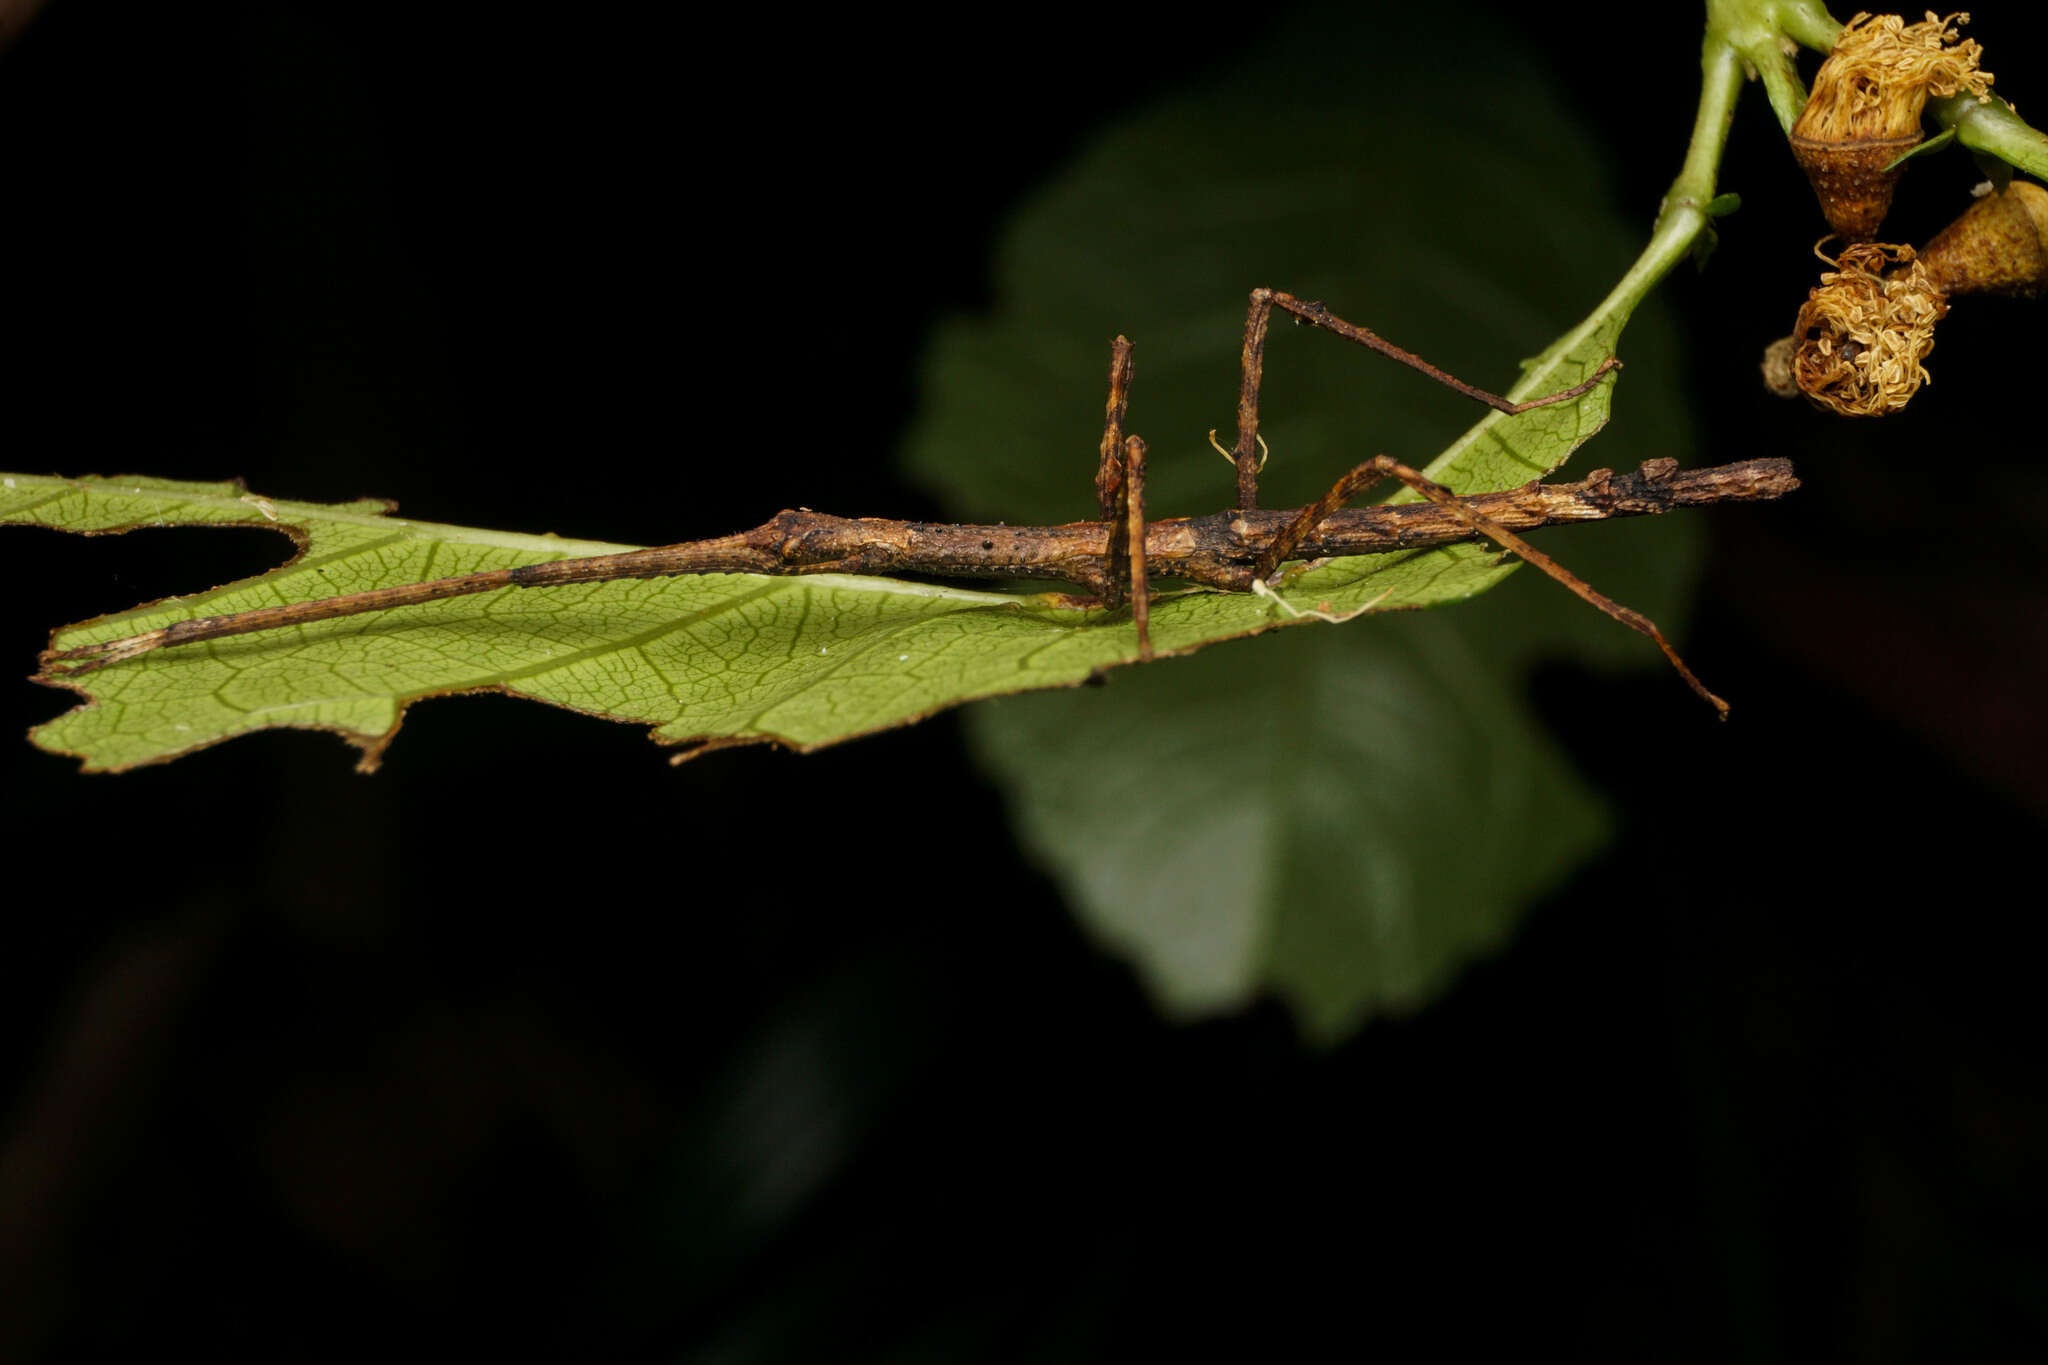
<point>1347,816</point>
<point>1924,148</point>
<point>710,660</point>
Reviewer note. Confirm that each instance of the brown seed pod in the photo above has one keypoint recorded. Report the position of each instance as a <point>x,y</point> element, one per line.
<point>1998,246</point>
<point>1863,336</point>
<point>1849,179</point>
<point>1865,110</point>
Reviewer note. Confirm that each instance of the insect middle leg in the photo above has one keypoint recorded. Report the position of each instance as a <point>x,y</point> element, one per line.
<point>1252,369</point>
<point>1120,495</point>
<point>1111,487</point>
<point>1134,535</point>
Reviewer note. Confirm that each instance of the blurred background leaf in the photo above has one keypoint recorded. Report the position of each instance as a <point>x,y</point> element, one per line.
<point>1345,816</point>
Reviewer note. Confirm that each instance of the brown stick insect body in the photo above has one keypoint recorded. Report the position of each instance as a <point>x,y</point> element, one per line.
<point>1114,558</point>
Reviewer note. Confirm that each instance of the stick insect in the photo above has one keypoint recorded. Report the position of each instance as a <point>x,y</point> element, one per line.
<point>1115,558</point>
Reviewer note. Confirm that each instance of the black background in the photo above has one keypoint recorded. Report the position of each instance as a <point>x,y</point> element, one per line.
<point>533,1044</point>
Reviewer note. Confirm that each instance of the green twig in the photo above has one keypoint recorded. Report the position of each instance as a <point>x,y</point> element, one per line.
<point>1995,130</point>
<point>1759,32</point>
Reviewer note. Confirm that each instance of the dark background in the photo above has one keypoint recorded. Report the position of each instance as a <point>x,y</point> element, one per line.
<point>535,1045</point>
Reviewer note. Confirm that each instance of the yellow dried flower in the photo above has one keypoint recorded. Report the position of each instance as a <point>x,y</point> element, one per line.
<point>1865,110</point>
<point>1863,337</point>
<point>1876,82</point>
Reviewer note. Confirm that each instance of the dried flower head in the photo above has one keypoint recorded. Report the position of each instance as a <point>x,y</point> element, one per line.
<point>1865,110</point>
<point>1876,82</point>
<point>1863,337</point>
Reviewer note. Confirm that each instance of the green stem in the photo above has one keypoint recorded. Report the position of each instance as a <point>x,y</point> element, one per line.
<point>1995,130</point>
<point>1757,29</point>
<point>1681,218</point>
<point>1740,34</point>
<point>1806,22</point>
<point>1720,85</point>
